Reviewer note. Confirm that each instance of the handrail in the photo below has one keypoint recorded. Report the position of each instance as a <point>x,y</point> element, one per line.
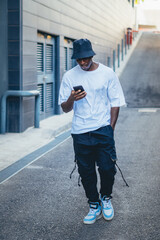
<point>19,93</point>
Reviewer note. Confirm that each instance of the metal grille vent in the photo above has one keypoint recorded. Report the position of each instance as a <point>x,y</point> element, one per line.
<point>39,57</point>
<point>40,89</point>
<point>65,58</point>
<point>49,97</point>
<point>49,58</point>
<point>70,60</point>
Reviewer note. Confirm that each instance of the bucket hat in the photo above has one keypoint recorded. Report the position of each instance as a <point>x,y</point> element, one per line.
<point>82,48</point>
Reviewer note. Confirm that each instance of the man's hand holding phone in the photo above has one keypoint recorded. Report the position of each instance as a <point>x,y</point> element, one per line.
<point>78,93</point>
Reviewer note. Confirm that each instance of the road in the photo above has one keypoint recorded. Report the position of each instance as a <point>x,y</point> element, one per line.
<point>42,203</point>
<point>141,78</point>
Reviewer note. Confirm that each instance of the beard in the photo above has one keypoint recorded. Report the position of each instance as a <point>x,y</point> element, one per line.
<point>86,68</point>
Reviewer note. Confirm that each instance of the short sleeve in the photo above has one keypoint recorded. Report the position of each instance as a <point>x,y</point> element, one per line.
<point>115,92</point>
<point>65,91</point>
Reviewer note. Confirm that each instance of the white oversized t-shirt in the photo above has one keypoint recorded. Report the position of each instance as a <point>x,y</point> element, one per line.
<point>103,92</point>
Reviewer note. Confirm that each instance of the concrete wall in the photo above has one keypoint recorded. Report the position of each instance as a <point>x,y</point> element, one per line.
<point>14,64</point>
<point>10,59</point>
<point>103,22</point>
<point>3,48</point>
<point>29,72</point>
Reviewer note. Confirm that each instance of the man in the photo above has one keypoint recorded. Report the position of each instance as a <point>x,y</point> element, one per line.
<point>95,114</point>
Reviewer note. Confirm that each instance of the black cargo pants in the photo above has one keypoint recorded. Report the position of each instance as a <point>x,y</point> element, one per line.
<point>91,149</point>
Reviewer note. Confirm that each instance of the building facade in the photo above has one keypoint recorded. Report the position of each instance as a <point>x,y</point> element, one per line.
<point>36,47</point>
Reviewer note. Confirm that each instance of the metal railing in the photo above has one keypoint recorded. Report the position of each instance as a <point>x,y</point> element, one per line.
<point>19,93</point>
<point>122,49</point>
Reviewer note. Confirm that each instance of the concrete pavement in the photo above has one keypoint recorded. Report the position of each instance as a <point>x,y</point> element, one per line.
<point>140,78</point>
<point>15,146</point>
<point>42,203</point>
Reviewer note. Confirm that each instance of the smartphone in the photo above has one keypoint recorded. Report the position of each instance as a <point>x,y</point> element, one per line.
<point>76,88</point>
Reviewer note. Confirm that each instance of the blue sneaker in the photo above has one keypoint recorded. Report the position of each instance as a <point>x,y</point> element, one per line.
<point>94,213</point>
<point>107,208</point>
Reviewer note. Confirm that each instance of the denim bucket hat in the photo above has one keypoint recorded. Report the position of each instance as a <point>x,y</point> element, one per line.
<point>82,48</point>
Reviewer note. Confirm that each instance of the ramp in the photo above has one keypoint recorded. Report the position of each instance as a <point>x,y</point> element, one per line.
<point>141,77</point>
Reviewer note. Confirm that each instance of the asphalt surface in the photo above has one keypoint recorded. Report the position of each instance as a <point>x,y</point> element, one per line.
<point>141,77</point>
<point>42,203</point>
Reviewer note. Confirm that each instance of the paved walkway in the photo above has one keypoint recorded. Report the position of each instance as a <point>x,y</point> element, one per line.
<point>15,146</point>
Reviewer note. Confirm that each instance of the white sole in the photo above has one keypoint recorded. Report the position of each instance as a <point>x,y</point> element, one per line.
<point>93,221</point>
<point>108,219</point>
